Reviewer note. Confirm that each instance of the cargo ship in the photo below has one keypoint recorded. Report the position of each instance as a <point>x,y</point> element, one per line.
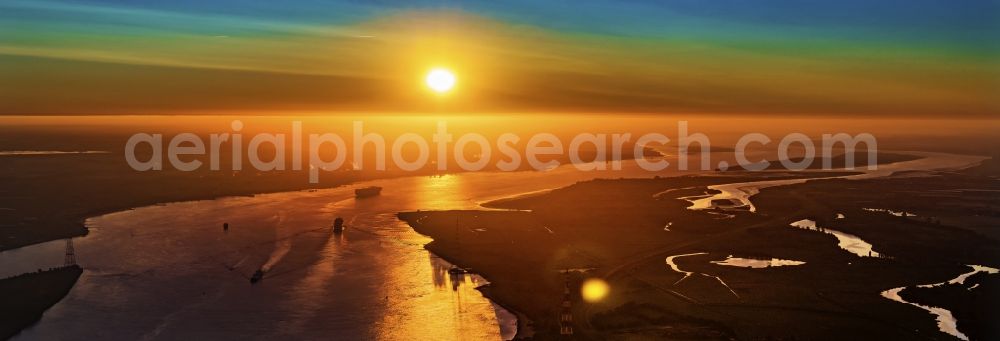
<point>338,225</point>
<point>367,192</point>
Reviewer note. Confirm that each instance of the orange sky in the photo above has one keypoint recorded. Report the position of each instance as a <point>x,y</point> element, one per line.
<point>108,59</point>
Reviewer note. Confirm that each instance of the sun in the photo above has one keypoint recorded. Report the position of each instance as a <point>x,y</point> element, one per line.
<point>440,80</point>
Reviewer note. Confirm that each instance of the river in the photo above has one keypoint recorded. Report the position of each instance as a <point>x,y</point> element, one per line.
<point>946,322</point>
<point>170,271</point>
<point>741,192</point>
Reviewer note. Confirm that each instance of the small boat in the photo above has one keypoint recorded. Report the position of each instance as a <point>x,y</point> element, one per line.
<point>367,192</point>
<point>338,225</point>
<point>257,277</point>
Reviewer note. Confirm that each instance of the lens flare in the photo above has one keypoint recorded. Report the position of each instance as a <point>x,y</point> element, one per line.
<point>594,290</point>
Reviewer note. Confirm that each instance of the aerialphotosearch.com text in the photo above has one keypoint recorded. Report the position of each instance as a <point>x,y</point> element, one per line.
<point>507,152</point>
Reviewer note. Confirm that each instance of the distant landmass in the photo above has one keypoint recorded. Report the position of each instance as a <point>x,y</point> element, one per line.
<point>838,161</point>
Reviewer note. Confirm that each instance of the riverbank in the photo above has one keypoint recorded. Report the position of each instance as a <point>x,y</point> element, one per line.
<point>26,297</point>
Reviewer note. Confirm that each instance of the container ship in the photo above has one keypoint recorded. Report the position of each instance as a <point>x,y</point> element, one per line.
<point>367,192</point>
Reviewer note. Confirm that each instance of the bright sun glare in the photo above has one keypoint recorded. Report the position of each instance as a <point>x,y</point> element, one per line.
<point>440,80</point>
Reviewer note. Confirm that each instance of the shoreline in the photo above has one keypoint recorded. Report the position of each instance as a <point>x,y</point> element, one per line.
<point>81,220</point>
<point>522,319</point>
<point>47,288</point>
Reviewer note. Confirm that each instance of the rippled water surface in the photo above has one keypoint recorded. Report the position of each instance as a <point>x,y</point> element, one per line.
<point>170,271</point>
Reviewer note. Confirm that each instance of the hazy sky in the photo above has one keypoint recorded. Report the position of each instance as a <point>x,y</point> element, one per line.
<point>899,57</point>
